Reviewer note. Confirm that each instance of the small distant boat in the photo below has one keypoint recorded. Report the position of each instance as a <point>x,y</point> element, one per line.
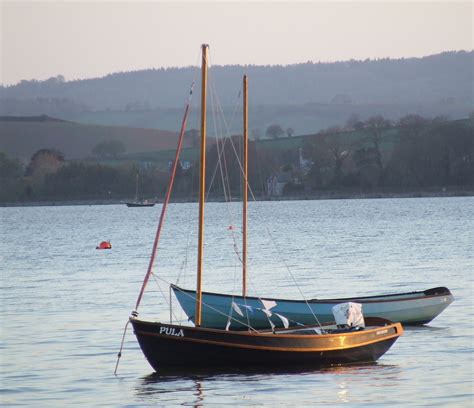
<point>138,201</point>
<point>142,203</point>
<point>104,245</point>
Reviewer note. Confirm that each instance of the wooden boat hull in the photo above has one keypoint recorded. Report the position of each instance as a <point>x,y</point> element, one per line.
<point>413,308</point>
<point>166,345</point>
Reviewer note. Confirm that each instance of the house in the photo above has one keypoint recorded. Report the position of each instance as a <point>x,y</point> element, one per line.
<point>277,182</point>
<point>305,164</point>
<point>184,164</point>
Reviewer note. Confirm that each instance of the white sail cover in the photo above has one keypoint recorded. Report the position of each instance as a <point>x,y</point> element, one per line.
<point>348,314</point>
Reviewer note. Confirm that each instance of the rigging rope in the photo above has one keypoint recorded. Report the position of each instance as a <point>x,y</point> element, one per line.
<point>219,106</point>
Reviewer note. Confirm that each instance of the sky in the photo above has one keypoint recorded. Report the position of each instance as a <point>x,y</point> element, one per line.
<point>86,39</point>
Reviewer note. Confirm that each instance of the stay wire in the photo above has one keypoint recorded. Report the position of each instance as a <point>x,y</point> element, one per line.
<point>271,236</point>
<point>219,118</point>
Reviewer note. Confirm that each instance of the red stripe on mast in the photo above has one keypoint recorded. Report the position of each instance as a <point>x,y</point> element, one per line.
<point>167,198</point>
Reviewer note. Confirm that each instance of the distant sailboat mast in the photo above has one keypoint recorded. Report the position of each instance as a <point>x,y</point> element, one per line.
<point>136,188</point>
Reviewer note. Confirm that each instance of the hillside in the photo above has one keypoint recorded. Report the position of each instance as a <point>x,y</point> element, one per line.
<point>303,119</point>
<point>430,79</point>
<point>20,137</point>
<point>305,97</point>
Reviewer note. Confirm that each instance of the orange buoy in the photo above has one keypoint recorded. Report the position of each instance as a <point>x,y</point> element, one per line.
<point>104,245</point>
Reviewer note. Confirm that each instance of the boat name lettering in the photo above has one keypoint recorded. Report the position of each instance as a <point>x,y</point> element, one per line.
<point>171,331</point>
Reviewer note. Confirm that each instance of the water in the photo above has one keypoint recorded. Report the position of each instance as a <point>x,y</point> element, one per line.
<point>64,304</point>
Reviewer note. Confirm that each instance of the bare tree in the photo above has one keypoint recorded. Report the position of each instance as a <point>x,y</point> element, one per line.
<point>375,126</point>
<point>274,131</point>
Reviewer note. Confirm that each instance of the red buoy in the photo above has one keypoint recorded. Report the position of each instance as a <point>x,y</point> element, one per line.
<point>104,245</point>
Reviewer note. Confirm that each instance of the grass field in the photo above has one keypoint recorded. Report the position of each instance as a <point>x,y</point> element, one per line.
<point>21,138</point>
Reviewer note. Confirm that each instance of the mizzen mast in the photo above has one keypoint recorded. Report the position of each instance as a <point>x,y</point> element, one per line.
<point>245,189</point>
<point>202,185</point>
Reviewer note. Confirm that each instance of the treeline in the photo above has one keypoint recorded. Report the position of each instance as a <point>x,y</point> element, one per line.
<point>48,176</point>
<point>413,154</point>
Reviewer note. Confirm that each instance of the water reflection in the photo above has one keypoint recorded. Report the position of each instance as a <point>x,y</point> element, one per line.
<point>188,387</point>
<point>194,386</point>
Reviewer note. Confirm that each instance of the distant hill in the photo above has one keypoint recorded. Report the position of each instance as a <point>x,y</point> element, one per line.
<point>429,79</point>
<point>20,137</point>
<point>305,97</point>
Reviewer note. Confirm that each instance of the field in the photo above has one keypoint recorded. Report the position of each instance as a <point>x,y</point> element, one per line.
<point>21,137</point>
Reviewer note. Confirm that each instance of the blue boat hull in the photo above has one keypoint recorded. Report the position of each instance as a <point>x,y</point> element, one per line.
<point>413,308</point>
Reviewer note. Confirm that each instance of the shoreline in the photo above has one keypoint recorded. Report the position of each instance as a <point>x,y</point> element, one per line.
<point>329,195</point>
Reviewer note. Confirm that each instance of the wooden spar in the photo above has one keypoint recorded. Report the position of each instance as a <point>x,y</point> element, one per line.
<point>245,190</point>
<point>202,185</point>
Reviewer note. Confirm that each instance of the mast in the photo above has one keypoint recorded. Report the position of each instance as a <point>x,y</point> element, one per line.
<point>202,185</point>
<point>136,188</point>
<point>245,190</point>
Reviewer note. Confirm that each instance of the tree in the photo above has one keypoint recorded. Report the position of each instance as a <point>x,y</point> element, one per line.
<point>328,152</point>
<point>436,154</point>
<point>412,123</point>
<point>339,151</point>
<point>43,162</point>
<point>274,131</point>
<point>290,131</point>
<point>11,172</point>
<point>375,126</point>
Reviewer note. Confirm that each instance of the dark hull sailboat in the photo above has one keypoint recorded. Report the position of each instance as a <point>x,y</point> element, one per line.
<point>138,201</point>
<point>166,345</point>
<point>140,204</point>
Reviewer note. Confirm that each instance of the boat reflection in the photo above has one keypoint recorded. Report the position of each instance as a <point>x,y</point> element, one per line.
<point>189,385</point>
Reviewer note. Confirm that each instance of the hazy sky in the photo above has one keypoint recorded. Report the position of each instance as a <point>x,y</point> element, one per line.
<point>84,39</point>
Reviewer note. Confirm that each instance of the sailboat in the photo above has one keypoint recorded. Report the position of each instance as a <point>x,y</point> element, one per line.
<point>167,345</point>
<point>138,201</point>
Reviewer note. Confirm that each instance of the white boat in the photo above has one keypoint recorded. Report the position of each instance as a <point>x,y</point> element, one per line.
<point>414,308</point>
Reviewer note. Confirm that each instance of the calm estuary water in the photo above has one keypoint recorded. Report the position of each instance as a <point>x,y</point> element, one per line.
<point>64,304</point>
